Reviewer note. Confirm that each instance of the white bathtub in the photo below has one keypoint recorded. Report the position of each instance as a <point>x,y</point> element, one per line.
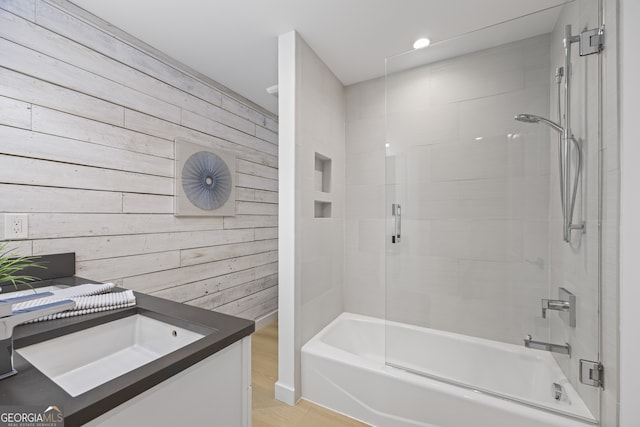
<point>343,369</point>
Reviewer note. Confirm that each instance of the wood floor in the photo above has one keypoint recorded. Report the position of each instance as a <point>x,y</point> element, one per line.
<point>268,412</point>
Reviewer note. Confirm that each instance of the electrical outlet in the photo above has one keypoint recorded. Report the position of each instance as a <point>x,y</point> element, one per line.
<point>16,226</point>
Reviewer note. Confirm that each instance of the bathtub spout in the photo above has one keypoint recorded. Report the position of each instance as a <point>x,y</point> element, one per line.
<point>539,345</point>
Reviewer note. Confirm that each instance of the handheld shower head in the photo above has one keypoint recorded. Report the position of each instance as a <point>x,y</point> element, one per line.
<point>527,118</point>
<point>532,118</point>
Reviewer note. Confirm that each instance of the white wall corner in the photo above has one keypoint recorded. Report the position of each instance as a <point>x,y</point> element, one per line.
<point>629,213</point>
<point>288,354</point>
<point>286,394</point>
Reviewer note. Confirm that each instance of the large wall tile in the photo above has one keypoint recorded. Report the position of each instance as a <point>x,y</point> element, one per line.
<point>474,187</point>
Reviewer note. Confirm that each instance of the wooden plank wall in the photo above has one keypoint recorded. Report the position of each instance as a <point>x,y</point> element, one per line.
<point>87,123</point>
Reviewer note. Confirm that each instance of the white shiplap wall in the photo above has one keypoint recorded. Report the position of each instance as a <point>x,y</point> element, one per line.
<point>88,117</point>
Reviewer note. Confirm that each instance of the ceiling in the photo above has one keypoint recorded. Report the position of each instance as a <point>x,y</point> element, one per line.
<point>234,42</point>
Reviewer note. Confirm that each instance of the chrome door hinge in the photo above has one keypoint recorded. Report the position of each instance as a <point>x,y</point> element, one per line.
<point>591,373</point>
<point>591,41</point>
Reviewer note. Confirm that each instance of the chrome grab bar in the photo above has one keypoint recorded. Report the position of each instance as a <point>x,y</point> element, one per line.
<point>396,211</point>
<point>539,345</point>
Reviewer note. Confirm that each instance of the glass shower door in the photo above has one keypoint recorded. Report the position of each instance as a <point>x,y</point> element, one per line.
<point>475,211</point>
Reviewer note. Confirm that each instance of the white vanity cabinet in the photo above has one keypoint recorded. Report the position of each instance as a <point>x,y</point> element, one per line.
<point>214,392</point>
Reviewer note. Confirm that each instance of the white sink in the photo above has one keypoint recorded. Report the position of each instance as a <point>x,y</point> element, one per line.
<point>83,360</point>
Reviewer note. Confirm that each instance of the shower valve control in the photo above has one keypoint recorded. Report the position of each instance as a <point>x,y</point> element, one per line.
<point>566,303</point>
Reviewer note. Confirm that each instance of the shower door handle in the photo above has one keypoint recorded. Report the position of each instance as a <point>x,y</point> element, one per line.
<point>396,211</point>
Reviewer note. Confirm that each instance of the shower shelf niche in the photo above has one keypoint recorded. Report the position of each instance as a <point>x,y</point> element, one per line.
<point>322,173</point>
<point>322,209</point>
<point>322,186</point>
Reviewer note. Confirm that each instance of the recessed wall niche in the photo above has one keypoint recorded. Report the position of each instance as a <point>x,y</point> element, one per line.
<point>322,209</point>
<point>323,174</point>
<point>322,186</point>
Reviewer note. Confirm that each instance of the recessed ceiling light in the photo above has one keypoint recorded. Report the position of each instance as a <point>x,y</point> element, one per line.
<point>387,145</point>
<point>420,43</point>
<point>479,138</point>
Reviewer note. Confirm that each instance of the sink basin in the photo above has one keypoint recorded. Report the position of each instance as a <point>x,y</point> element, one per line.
<point>83,360</point>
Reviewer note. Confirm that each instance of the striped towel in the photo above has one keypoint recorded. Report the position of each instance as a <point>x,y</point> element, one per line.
<point>71,291</point>
<point>89,298</point>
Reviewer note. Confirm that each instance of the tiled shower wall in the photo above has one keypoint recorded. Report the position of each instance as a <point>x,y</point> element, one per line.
<point>474,188</point>
<point>319,245</point>
<point>364,289</point>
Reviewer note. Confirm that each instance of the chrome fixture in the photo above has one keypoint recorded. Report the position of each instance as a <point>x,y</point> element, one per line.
<point>10,319</point>
<point>539,345</point>
<point>554,304</point>
<point>591,41</point>
<point>532,118</point>
<point>566,303</point>
<point>556,391</point>
<point>591,373</point>
<point>396,211</point>
<point>564,160</point>
<point>559,75</point>
<point>567,136</point>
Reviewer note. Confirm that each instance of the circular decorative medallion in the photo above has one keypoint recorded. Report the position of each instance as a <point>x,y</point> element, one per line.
<point>206,180</point>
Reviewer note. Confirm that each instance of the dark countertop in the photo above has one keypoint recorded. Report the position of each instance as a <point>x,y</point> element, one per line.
<point>31,387</point>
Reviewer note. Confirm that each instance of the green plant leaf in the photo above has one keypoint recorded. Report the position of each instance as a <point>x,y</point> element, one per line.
<point>11,267</point>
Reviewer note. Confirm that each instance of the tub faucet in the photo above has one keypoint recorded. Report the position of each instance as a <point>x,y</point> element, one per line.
<point>539,345</point>
<point>566,303</point>
<point>554,304</point>
<point>10,319</point>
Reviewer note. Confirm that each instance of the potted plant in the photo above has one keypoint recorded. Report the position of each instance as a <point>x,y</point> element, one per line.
<point>12,268</point>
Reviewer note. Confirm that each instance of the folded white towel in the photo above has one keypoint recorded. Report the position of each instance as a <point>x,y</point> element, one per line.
<point>88,304</point>
<point>92,304</point>
<point>71,291</point>
<point>89,298</point>
<point>83,290</point>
